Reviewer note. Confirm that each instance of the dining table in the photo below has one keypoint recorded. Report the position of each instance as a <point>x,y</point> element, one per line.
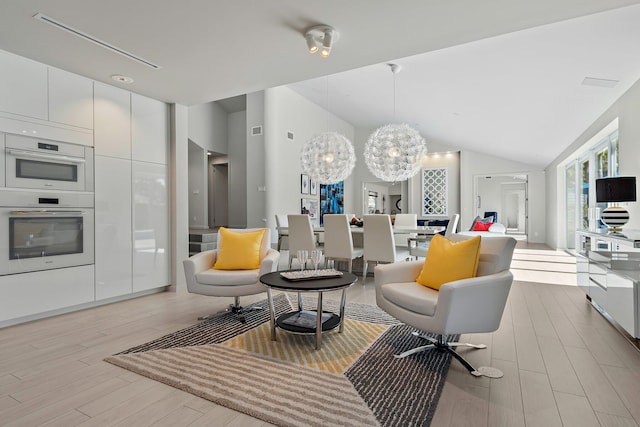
<point>417,234</point>
<point>418,229</point>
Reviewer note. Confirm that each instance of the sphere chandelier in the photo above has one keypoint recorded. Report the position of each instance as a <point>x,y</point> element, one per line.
<point>328,158</point>
<point>394,152</point>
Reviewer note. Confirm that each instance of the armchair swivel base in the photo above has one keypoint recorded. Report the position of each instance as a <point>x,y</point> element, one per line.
<point>439,344</point>
<point>236,309</point>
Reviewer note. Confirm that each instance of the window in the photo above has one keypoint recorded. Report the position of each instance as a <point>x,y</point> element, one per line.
<point>582,211</point>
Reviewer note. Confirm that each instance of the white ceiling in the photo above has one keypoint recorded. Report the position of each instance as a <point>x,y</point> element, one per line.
<point>500,90</point>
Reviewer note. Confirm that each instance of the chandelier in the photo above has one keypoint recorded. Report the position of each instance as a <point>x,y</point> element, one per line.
<point>394,152</point>
<point>328,158</point>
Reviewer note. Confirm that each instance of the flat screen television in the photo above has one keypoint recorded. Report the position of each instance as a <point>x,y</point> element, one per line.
<point>616,189</point>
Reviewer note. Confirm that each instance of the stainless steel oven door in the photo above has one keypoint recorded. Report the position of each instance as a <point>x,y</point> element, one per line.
<point>42,164</point>
<point>43,239</point>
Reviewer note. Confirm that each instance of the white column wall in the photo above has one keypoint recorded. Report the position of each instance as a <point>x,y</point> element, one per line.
<point>179,163</point>
<point>237,133</point>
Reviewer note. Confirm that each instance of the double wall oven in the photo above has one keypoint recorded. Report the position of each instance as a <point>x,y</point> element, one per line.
<point>46,205</point>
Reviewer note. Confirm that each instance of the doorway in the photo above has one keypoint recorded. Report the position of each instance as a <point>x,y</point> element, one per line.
<point>507,196</point>
<point>218,192</point>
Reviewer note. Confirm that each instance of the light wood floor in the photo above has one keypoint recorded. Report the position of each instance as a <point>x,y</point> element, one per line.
<point>564,364</point>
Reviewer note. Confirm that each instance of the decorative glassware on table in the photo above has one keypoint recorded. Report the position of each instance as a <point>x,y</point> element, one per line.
<point>316,257</point>
<point>302,255</point>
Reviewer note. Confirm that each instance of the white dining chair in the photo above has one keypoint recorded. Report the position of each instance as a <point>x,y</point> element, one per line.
<point>421,247</point>
<point>379,243</point>
<point>283,235</point>
<point>404,221</point>
<point>300,235</point>
<point>338,241</point>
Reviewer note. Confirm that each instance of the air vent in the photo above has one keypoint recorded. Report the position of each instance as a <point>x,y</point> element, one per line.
<point>90,38</point>
<point>592,81</point>
<point>290,136</point>
<point>256,130</point>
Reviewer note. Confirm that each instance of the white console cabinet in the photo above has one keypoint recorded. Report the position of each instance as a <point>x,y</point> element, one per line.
<point>608,268</point>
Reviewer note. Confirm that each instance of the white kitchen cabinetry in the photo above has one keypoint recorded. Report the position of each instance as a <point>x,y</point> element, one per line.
<point>614,274</point>
<point>112,127</point>
<point>150,225</point>
<point>70,99</point>
<point>113,227</point>
<point>149,129</point>
<point>34,294</point>
<point>23,86</point>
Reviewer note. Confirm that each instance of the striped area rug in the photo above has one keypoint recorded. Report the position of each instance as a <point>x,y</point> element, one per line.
<point>352,381</point>
<point>337,353</point>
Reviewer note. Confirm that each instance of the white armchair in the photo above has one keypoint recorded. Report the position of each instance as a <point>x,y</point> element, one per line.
<point>204,280</point>
<point>472,305</point>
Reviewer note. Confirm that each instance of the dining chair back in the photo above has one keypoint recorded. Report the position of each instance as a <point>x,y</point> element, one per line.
<point>300,235</point>
<point>404,221</point>
<point>420,248</point>
<point>338,241</point>
<point>282,222</point>
<point>379,243</point>
<point>452,226</point>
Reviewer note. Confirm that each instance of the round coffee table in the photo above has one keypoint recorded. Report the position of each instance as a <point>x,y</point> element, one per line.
<point>325,322</point>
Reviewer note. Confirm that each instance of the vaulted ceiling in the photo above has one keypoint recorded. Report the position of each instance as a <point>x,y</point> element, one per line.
<point>498,76</point>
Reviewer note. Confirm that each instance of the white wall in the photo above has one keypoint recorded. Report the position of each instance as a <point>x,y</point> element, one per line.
<point>257,155</point>
<point>237,188</point>
<point>443,160</point>
<point>626,109</point>
<point>208,127</point>
<point>286,111</point>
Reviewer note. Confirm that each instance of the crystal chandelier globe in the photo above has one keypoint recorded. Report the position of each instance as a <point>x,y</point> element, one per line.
<point>328,158</point>
<point>394,152</point>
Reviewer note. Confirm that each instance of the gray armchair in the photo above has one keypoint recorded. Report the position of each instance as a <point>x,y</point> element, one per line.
<point>204,280</point>
<point>465,306</point>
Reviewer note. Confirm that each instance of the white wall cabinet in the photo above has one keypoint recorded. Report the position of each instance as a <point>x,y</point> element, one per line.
<point>70,99</point>
<point>23,86</point>
<point>112,127</point>
<point>113,227</point>
<point>150,225</point>
<point>149,129</point>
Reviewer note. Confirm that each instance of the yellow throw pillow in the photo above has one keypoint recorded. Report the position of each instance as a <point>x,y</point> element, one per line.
<point>239,251</point>
<point>447,261</point>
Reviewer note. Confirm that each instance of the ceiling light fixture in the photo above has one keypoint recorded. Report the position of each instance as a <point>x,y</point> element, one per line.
<point>321,38</point>
<point>122,79</point>
<point>394,152</point>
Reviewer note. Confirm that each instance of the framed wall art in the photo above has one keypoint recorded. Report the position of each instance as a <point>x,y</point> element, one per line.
<point>331,199</point>
<point>304,183</point>
<point>310,207</point>
<point>313,187</point>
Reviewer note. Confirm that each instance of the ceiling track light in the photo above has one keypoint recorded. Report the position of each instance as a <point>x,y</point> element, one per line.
<point>321,38</point>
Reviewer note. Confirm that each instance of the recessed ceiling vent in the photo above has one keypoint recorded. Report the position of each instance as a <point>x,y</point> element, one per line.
<point>92,39</point>
<point>592,81</point>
